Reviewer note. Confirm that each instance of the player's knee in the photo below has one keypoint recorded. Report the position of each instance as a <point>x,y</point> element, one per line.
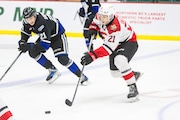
<point>115,73</point>
<point>89,21</point>
<point>64,60</point>
<point>120,60</point>
<point>33,53</point>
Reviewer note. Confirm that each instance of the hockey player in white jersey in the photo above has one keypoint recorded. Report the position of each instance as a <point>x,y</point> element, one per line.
<point>120,45</point>
<point>5,113</point>
<point>88,12</point>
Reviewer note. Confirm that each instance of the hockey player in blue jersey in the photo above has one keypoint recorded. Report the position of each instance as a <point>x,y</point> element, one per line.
<point>51,35</point>
<point>88,12</point>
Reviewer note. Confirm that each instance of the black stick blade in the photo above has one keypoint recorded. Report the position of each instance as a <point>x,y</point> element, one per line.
<point>68,102</point>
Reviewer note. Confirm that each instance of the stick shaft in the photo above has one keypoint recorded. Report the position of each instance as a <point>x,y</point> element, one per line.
<point>68,102</point>
<point>77,84</point>
<point>10,66</point>
<point>75,15</point>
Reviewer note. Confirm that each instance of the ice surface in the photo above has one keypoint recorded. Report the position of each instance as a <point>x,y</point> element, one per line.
<point>28,95</point>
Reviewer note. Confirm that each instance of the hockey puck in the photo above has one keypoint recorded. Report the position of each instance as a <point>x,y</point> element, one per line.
<point>47,112</point>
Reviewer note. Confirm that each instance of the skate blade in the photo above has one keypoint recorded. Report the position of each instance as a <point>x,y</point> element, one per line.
<point>85,83</point>
<point>133,99</point>
<point>56,76</point>
<point>141,74</point>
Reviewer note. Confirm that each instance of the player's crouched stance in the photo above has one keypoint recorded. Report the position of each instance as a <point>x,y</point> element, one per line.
<point>120,45</point>
<point>51,34</point>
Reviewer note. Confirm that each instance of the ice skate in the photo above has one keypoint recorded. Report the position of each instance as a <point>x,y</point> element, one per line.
<point>137,75</point>
<point>84,80</point>
<point>53,75</point>
<point>133,93</point>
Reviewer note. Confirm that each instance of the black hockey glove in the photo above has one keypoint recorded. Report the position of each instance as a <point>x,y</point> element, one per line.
<point>91,33</point>
<point>81,12</point>
<point>87,58</point>
<point>25,47</point>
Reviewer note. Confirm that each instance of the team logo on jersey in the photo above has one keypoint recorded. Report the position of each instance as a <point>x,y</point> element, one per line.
<point>30,28</point>
<point>40,28</point>
<point>113,27</point>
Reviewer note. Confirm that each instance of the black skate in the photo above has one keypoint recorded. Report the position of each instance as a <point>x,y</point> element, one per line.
<point>84,80</point>
<point>133,93</point>
<point>53,75</point>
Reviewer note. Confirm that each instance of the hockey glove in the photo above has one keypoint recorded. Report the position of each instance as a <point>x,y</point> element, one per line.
<point>25,47</point>
<point>88,58</point>
<point>91,33</point>
<point>81,12</point>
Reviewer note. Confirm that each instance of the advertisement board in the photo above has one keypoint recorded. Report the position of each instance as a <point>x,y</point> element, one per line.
<point>150,21</point>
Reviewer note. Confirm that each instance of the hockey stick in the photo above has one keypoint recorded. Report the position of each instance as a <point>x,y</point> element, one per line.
<point>77,13</point>
<point>10,66</point>
<point>82,20</point>
<point>67,101</point>
<point>91,42</point>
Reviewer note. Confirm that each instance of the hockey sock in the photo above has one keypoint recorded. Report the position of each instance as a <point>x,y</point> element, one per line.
<point>75,69</point>
<point>87,42</point>
<point>43,61</point>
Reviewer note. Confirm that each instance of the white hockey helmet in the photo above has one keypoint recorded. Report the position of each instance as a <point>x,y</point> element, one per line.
<point>108,10</point>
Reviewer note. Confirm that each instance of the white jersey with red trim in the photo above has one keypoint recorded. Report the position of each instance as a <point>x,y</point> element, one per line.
<point>116,32</point>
